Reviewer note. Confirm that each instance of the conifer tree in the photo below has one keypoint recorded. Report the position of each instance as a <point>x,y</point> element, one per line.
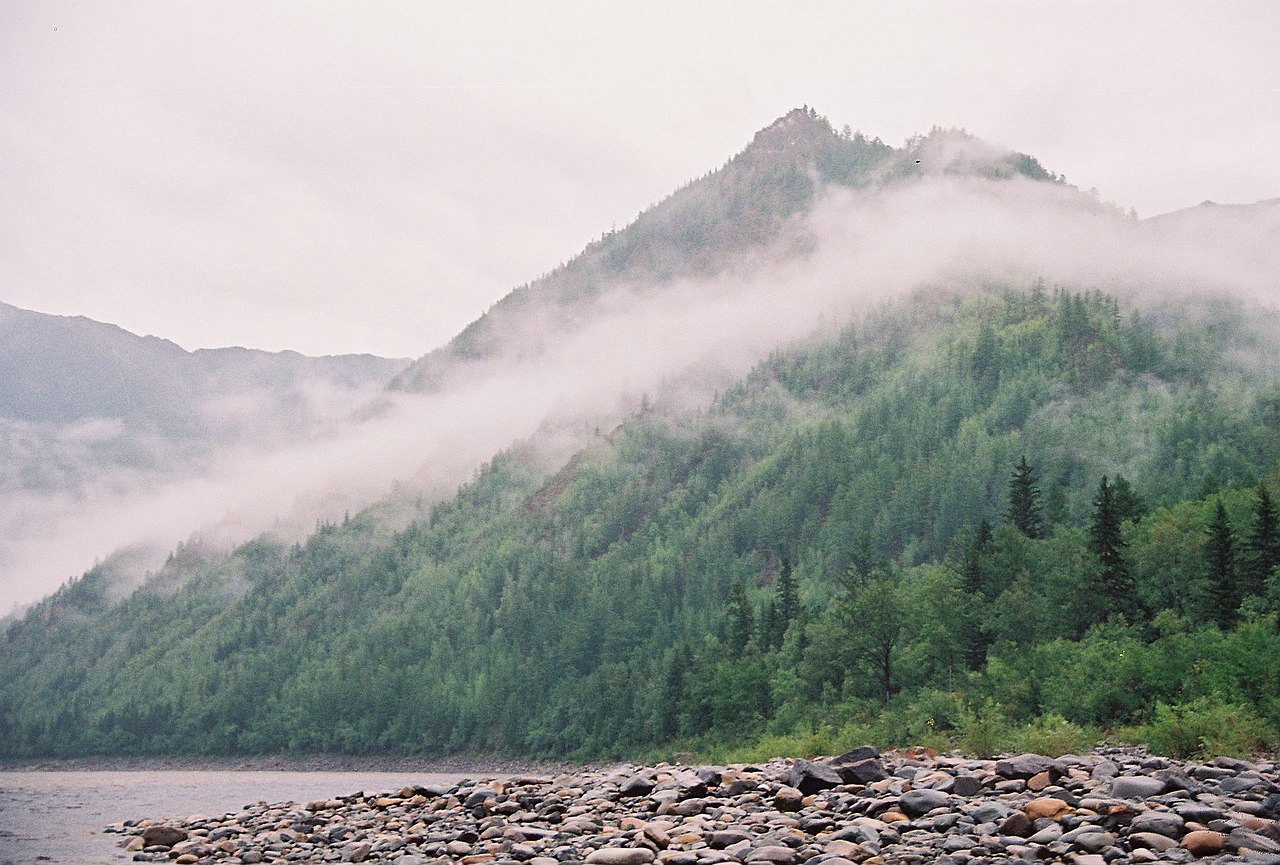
<point>787,604</point>
<point>1262,546</point>
<point>1114,589</point>
<point>741,621</point>
<point>973,582</point>
<point>1223,588</point>
<point>1130,506</point>
<point>1025,512</point>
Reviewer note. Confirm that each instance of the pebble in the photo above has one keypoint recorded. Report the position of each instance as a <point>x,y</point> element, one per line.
<point>1112,805</point>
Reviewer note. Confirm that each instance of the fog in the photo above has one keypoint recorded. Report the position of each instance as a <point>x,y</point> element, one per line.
<point>342,177</point>
<point>683,339</point>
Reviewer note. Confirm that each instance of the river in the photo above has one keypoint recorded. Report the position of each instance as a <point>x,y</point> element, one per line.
<point>59,816</point>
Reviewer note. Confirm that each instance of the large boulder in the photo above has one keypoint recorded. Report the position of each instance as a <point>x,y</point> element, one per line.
<point>1137,787</point>
<point>917,803</point>
<point>1026,766</point>
<point>163,836</point>
<point>809,777</point>
<point>863,772</point>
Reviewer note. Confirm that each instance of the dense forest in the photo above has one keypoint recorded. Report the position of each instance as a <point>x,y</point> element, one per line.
<point>1008,515</point>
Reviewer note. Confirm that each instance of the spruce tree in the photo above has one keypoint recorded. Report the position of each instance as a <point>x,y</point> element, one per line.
<point>741,618</point>
<point>973,581</point>
<point>1262,546</point>
<point>1222,588</point>
<point>786,604</point>
<point>1130,506</point>
<point>1115,582</point>
<point>1024,511</point>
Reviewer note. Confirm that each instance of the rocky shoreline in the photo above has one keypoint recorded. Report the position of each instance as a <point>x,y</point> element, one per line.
<point>1108,807</point>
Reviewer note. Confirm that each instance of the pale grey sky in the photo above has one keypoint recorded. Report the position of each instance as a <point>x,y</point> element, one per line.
<point>334,177</point>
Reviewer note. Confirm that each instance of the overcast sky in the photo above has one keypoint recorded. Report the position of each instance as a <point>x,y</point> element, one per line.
<point>342,177</point>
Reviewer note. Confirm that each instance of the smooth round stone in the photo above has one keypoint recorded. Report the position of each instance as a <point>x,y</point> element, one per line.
<point>917,803</point>
<point>774,854</point>
<point>1046,835</point>
<point>1136,787</point>
<point>1204,842</point>
<point>1159,822</point>
<point>621,856</point>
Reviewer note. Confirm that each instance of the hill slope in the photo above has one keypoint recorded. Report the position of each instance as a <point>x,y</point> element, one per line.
<point>90,413</point>
<point>720,572</point>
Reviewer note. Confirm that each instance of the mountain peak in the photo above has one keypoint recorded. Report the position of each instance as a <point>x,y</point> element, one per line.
<point>798,128</point>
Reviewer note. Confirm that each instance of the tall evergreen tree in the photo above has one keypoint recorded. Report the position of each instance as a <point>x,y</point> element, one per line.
<point>785,606</point>
<point>973,581</point>
<point>1222,587</point>
<point>1130,507</point>
<point>1025,511</point>
<point>1114,590</point>
<point>1261,547</point>
<point>741,618</point>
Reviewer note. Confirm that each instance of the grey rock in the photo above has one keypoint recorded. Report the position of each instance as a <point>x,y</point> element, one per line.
<point>1026,766</point>
<point>866,771</point>
<point>917,803</point>
<point>857,755</point>
<point>775,854</point>
<point>1094,842</point>
<point>1048,834</point>
<point>1136,787</point>
<point>1243,839</point>
<point>726,837</point>
<point>357,851</point>
<point>1161,822</point>
<point>857,834</point>
<point>620,856</point>
<point>1196,812</point>
<point>966,785</point>
<point>955,843</point>
<point>1151,841</point>
<point>809,777</point>
<point>1241,783</point>
<point>636,785</point>
<point>989,812</point>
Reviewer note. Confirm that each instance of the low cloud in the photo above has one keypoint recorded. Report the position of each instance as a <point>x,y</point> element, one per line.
<point>688,337</point>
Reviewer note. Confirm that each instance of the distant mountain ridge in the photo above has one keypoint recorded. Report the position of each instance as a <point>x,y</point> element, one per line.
<point>63,368</point>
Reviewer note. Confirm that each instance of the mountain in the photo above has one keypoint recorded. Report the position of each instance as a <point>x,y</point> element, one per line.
<point>943,499</point>
<point>59,369</point>
<point>747,207</point>
<point>90,413</point>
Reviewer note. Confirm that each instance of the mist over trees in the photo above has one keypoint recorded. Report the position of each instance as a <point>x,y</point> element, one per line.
<point>850,543</point>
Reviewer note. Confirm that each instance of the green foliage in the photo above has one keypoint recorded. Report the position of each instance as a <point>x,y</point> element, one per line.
<point>1112,586</point>
<point>983,731</point>
<point>1053,736</point>
<point>1025,511</point>
<point>1223,596</point>
<point>1207,727</point>
<point>805,560</point>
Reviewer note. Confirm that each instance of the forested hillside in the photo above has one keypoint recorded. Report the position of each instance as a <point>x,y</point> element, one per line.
<point>978,509</point>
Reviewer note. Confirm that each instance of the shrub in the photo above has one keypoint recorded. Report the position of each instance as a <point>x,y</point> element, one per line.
<point>1053,736</point>
<point>1207,727</point>
<point>983,732</point>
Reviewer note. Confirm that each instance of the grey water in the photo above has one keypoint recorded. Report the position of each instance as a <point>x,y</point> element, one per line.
<point>59,816</point>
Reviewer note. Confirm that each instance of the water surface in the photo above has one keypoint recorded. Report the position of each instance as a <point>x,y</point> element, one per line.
<point>58,816</point>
